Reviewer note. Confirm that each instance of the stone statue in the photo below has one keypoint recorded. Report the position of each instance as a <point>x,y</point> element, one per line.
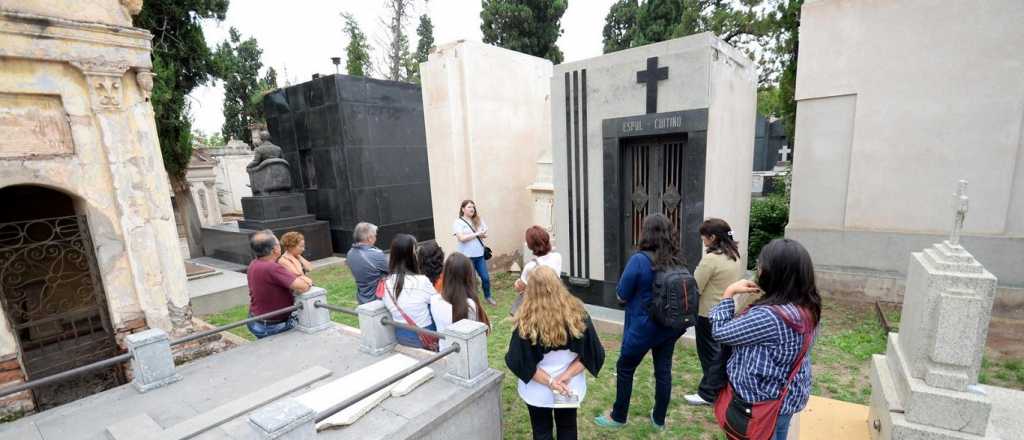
<point>265,149</point>
<point>269,174</point>
<point>960,204</point>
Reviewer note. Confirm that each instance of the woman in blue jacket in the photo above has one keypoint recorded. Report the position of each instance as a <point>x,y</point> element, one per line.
<point>640,333</point>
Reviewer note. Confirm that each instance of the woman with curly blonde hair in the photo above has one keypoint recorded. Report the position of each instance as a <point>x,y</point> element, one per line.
<point>553,341</point>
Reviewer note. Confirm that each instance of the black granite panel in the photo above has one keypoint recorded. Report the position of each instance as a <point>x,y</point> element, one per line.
<point>596,292</point>
<point>274,207</point>
<point>276,223</point>
<point>230,243</point>
<point>358,152</point>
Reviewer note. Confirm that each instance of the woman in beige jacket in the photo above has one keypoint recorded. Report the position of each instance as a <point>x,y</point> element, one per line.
<point>720,267</point>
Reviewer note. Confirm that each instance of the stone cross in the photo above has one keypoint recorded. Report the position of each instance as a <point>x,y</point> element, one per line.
<point>960,213</point>
<point>651,76</point>
<point>784,152</point>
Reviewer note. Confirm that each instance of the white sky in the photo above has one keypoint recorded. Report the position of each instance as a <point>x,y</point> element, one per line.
<point>301,36</point>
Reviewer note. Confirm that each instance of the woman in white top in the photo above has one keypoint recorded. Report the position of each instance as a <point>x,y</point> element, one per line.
<point>458,299</point>
<point>469,230</point>
<point>553,341</point>
<point>411,291</point>
<point>539,242</point>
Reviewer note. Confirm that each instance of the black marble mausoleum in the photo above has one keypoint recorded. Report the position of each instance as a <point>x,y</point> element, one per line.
<point>359,152</point>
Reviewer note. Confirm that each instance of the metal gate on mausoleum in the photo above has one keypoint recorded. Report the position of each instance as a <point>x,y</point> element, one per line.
<point>652,177</point>
<point>54,301</point>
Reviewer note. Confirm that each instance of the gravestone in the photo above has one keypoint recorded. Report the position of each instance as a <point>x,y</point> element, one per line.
<point>926,384</point>
<point>667,127</point>
<point>232,182</point>
<point>273,206</point>
<point>358,153</point>
<point>769,140</point>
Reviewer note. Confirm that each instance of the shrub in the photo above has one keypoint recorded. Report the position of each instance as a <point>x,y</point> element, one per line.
<point>768,219</point>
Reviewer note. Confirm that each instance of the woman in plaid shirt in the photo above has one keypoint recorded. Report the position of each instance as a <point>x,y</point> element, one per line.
<point>764,346</point>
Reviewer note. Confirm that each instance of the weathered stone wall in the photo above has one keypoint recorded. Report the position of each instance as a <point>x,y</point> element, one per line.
<point>100,75</point>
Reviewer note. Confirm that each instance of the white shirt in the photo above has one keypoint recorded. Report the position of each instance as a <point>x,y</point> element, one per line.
<point>554,363</point>
<point>471,248</point>
<point>551,259</point>
<point>414,299</point>
<point>441,311</point>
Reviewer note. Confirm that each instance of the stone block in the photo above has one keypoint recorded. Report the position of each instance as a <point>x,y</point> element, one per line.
<point>377,338</point>
<point>961,411</point>
<point>285,419</point>
<point>140,426</point>
<point>230,243</point>
<point>469,364</point>
<point>274,207</point>
<point>313,319</point>
<point>276,223</point>
<point>152,361</point>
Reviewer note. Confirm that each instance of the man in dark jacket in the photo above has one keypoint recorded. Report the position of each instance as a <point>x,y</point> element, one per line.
<point>367,263</point>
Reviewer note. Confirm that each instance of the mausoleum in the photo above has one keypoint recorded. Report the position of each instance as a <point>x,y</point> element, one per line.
<point>88,247</point>
<point>663,128</point>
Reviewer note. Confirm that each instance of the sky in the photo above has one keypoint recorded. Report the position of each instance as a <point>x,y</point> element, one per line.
<point>299,37</point>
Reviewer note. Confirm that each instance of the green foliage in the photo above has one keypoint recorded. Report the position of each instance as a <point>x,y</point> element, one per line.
<point>768,219</point>
<point>780,57</point>
<point>528,26</point>
<point>769,102</point>
<point>238,64</point>
<point>425,33</point>
<point>358,50</point>
<point>620,25</point>
<point>181,62</point>
<point>630,23</point>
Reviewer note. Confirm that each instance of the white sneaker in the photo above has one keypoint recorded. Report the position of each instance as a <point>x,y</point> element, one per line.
<point>695,399</point>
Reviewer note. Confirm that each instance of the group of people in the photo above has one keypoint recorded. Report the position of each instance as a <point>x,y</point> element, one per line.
<point>752,336</point>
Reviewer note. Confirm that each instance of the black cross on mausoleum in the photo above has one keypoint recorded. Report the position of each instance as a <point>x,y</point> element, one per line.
<point>651,76</point>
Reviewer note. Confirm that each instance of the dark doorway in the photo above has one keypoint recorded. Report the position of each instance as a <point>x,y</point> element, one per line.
<point>652,176</point>
<point>52,295</point>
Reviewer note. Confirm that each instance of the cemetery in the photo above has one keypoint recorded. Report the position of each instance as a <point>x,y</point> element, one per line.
<point>129,257</point>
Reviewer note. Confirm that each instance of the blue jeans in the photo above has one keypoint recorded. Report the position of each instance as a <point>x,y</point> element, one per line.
<point>261,330</point>
<point>410,338</point>
<point>629,359</point>
<point>782,427</point>
<point>480,264</point>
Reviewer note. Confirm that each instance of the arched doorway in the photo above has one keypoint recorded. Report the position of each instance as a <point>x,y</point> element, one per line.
<point>52,294</point>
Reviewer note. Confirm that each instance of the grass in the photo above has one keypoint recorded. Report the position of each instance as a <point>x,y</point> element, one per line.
<point>848,337</point>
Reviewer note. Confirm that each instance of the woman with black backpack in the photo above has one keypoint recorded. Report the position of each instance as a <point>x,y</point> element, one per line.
<point>658,250</point>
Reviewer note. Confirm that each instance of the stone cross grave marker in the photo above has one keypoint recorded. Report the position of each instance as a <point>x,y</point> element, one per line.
<point>960,213</point>
<point>784,152</point>
<point>651,76</point>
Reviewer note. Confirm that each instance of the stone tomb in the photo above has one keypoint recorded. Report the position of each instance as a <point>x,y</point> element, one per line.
<point>359,153</point>
<point>489,144</point>
<point>667,127</point>
<point>882,132</point>
<point>88,249</point>
<point>232,181</point>
<point>925,387</point>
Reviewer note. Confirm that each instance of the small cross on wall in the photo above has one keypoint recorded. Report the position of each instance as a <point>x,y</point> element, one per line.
<point>651,76</point>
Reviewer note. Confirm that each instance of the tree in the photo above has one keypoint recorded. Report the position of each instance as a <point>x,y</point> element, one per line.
<point>620,25</point>
<point>181,61</point>
<point>238,64</point>
<point>396,55</point>
<point>528,26</point>
<point>631,23</point>
<point>358,50</point>
<point>784,51</point>
<point>425,33</point>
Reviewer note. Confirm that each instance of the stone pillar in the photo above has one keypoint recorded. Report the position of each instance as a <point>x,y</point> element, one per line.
<point>152,361</point>
<point>377,338</point>
<point>286,420</point>
<point>926,383</point>
<point>313,319</point>
<point>470,363</point>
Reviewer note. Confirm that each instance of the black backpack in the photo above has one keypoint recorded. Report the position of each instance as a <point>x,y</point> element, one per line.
<point>675,297</point>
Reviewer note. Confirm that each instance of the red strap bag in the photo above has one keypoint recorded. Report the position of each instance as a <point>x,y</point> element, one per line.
<point>428,342</point>
<point>742,420</point>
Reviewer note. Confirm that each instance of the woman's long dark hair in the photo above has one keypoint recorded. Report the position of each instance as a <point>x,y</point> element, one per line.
<point>403,260</point>
<point>786,275</point>
<point>721,241</point>
<point>476,212</point>
<point>460,286</point>
<point>431,259</point>
<point>661,237</point>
